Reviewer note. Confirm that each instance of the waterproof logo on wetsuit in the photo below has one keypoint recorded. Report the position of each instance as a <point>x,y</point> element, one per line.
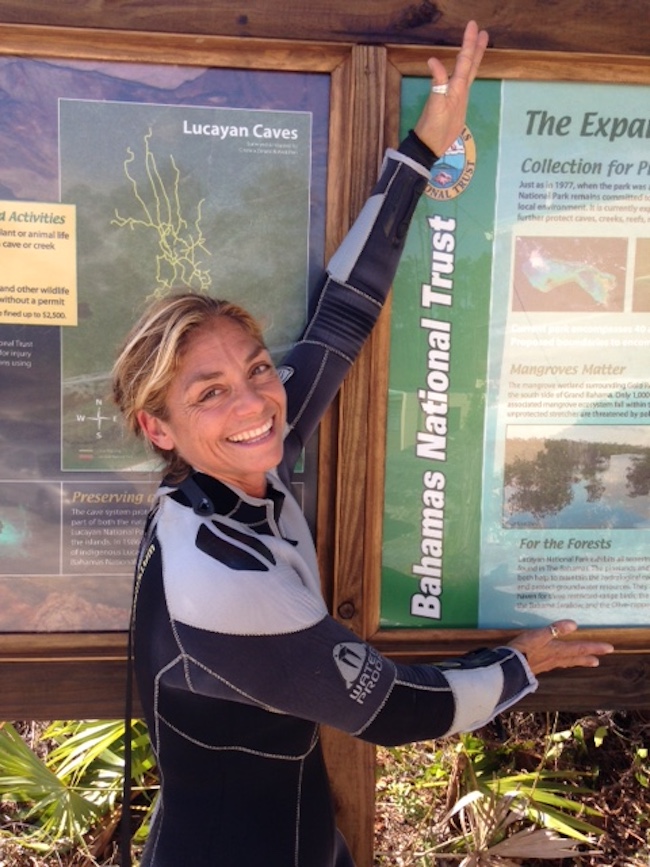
<point>360,667</point>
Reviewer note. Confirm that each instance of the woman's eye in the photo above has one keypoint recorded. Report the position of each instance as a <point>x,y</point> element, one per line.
<point>210,393</point>
<point>262,368</point>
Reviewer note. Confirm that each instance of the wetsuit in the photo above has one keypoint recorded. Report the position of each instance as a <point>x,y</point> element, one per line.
<point>237,659</point>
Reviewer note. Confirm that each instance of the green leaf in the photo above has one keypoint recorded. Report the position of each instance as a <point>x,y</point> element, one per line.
<point>599,735</point>
<point>62,813</point>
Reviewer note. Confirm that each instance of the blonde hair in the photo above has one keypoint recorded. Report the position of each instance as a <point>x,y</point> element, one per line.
<point>151,353</point>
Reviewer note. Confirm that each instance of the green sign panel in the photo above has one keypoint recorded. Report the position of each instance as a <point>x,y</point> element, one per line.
<point>518,454</point>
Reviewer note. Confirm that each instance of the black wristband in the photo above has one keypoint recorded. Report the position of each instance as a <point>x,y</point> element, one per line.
<point>413,146</point>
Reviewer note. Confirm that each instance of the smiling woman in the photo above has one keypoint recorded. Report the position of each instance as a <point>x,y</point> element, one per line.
<point>226,408</point>
<point>177,358</point>
<point>237,659</point>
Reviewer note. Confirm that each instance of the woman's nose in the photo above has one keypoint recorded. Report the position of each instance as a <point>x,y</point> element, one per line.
<point>248,398</point>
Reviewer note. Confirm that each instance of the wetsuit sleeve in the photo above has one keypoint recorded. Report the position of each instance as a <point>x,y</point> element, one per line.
<point>353,291</point>
<point>461,695</point>
<point>325,674</point>
<point>247,626</point>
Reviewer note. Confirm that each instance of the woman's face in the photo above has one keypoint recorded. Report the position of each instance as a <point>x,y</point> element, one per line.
<point>226,408</point>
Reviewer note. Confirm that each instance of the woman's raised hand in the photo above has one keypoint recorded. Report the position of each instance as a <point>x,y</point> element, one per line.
<point>443,117</point>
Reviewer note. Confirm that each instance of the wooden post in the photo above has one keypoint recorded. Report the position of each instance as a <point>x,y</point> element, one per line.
<point>351,762</point>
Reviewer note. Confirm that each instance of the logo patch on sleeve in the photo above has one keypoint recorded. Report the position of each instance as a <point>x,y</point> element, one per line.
<point>360,667</point>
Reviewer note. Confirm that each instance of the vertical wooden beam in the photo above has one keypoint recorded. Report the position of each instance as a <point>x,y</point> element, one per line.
<point>351,763</point>
<point>359,392</point>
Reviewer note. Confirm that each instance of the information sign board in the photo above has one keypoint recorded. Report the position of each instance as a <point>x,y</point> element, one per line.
<point>120,182</point>
<point>518,441</point>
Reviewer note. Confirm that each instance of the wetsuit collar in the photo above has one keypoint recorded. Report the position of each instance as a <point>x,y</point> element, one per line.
<point>209,496</point>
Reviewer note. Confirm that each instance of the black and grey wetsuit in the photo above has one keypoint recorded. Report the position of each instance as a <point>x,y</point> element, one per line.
<point>237,659</point>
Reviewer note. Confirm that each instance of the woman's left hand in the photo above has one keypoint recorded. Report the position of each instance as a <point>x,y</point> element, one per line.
<point>443,117</point>
<point>544,649</point>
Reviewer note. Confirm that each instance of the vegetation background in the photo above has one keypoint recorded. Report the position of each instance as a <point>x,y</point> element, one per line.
<point>528,789</point>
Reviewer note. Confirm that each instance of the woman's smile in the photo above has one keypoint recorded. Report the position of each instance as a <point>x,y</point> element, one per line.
<point>250,436</point>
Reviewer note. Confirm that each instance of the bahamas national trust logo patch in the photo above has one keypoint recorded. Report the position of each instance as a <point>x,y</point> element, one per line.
<point>453,172</point>
<point>359,666</point>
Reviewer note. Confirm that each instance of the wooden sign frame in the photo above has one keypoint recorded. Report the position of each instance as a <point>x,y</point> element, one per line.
<point>352,476</point>
<point>89,668</point>
<point>365,82</point>
<point>622,680</point>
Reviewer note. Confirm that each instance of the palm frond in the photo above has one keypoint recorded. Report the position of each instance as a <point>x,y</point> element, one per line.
<point>535,843</point>
<point>63,812</point>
